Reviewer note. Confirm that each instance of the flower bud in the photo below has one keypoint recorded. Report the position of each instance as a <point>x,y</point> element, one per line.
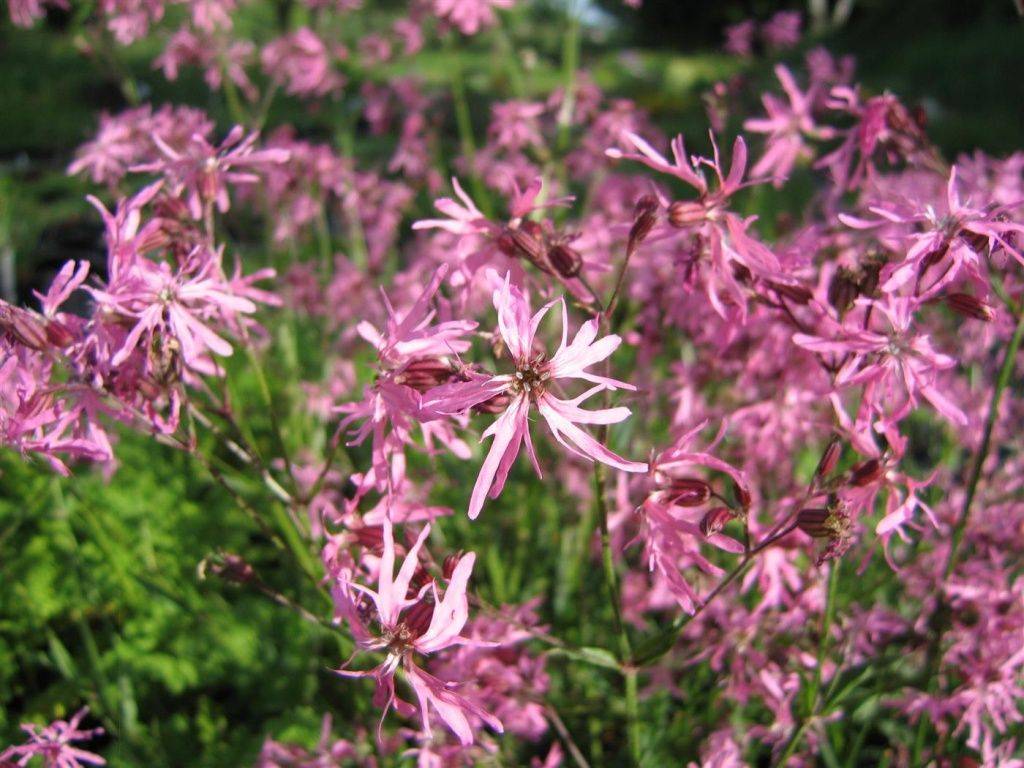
<point>26,328</point>
<point>829,459</point>
<point>496,404</point>
<point>714,521</point>
<point>976,241</point>
<point>866,472</point>
<point>425,373</point>
<point>742,494</point>
<point>843,289</point>
<point>417,619</point>
<point>448,567</point>
<point>58,334</point>
<point>688,491</point>
<point>813,522</point>
<point>798,294</point>
<point>234,569</point>
<point>370,537</point>
<point>420,578</point>
<point>566,261</point>
<point>970,306</point>
<point>686,213</point>
<point>871,270</point>
<point>645,216</point>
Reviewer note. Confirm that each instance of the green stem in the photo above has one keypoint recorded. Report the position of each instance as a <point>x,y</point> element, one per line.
<point>940,619</point>
<point>1005,372</point>
<point>464,123</point>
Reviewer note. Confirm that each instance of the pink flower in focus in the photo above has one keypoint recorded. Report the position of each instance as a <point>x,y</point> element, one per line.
<point>531,385</point>
<point>53,744</point>
<point>402,622</point>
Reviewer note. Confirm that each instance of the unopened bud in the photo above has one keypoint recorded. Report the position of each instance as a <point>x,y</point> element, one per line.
<point>686,213</point>
<point>688,491</point>
<point>59,334</point>
<point>566,261</point>
<point>843,289</point>
<point>742,494</point>
<point>871,271</point>
<point>417,619</point>
<point>976,241</point>
<point>866,472</point>
<point>425,373</point>
<point>970,306</point>
<point>25,327</point>
<point>645,216</point>
<point>233,568</point>
<point>497,404</point>
<point>370,537</point>
<point>798,294</point>
<point>420,578</point>
<point>829,459</point>
<point>714,521</point>
<point>448,567</point>
<point>813,522</point>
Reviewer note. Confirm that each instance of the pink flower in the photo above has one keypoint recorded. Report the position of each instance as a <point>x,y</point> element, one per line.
<point>889,362</point>
<point>53,744</point>
<point>531,386</point>
<point>201,172</point>
<point>301,63</point>
<point>407,622</point>
<point>470,16</point>
<point>25,13</point>
<point>415,354</point>
<point>952,234</point>
<point>787,126</point>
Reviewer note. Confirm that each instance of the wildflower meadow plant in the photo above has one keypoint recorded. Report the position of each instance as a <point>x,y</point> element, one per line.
<point>770,509</point>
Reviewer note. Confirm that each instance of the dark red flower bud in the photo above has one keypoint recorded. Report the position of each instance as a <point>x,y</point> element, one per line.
<point>686,213</point>
<point>976,241</point>
<point>59,334</point>
<point>688,491</point>
<point>742,495</point>
<point>843,289</point>
<point>25,327</point>
<point>866,472</point>
<point>448,567</point>
<point>829,459</point>
<point>798,294</point>
<point>714,521</point>
<point>370,537</point>
<point>566,261</point>
<point>645,216</point>
<point>420,578</point>
<point>417,619</point>
<point>970,306</point>
<point>233,568</point>
<point>496,404</point>
<point>813,522</point>
<point>870,272</point>
<point>425,373</point>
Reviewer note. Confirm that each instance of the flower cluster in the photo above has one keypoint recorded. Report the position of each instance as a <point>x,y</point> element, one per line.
<point>727,414</point>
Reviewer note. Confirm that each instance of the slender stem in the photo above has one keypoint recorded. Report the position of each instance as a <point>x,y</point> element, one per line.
<point>940,617</point>
<point>1005,372</point>
<point>563,732</point>
<point>813,702</point>
<point>633,715</point>
<point>611,576</point>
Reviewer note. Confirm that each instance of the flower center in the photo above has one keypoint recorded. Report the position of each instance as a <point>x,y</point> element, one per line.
<point>530,378</point>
